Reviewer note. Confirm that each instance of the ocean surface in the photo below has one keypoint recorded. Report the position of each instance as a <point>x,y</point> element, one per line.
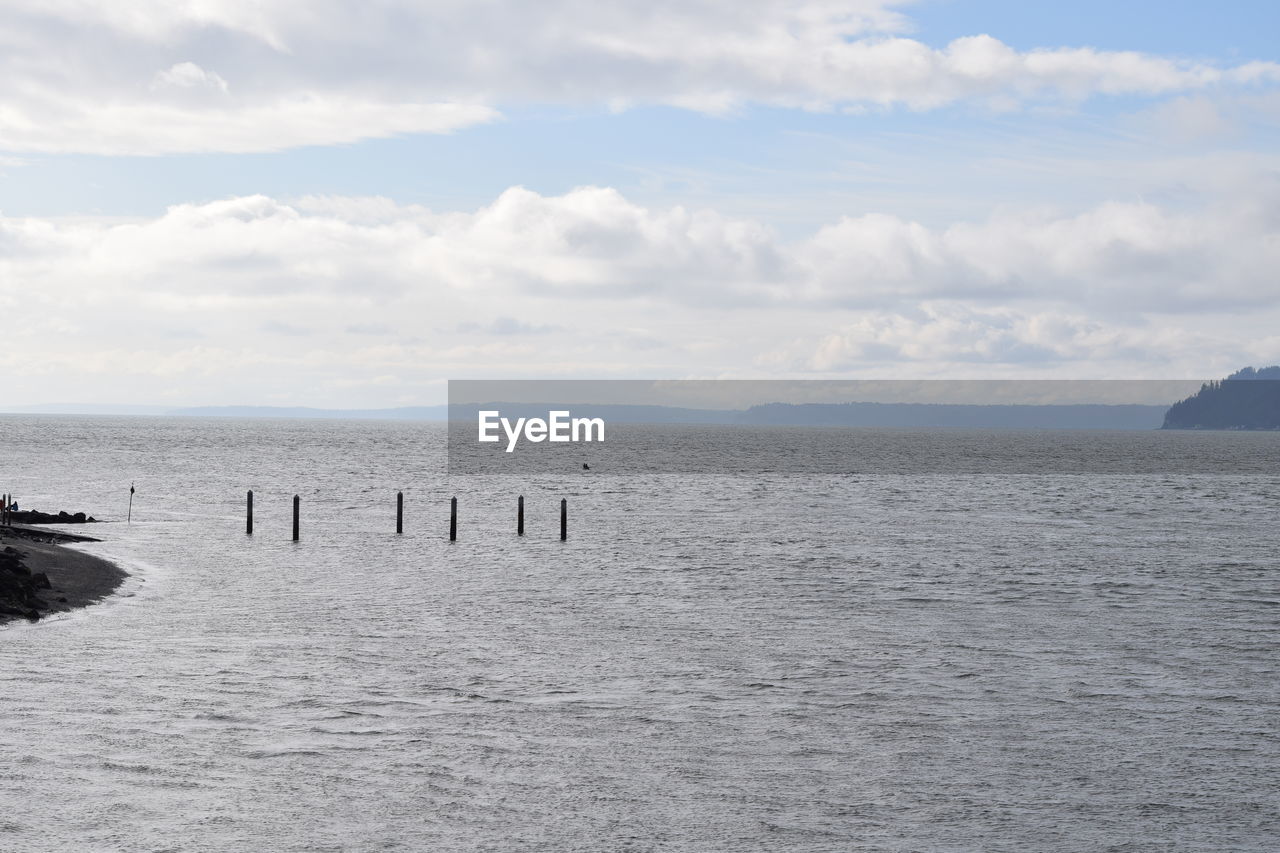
<point>972,656</point>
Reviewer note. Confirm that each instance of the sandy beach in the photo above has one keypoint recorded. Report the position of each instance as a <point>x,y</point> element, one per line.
<point>75,579</point>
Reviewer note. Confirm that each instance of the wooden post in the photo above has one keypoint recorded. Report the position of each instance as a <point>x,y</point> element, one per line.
<point>297,501</point>
<point>4,510</point>
<point>248,517</point>
<point>564,519</point>
<point>453,519</point>
<point>399,512</point>
<point>520,516</point>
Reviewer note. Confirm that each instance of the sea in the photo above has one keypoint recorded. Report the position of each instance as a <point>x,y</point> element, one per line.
<point>968,655</point>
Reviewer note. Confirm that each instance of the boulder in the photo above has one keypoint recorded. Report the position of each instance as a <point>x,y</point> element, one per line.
<point>32,516</point>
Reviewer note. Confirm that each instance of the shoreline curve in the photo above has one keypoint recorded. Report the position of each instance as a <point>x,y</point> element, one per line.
<point>79,578</point>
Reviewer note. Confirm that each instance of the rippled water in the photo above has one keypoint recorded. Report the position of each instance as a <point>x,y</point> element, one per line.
<point>967,662</point>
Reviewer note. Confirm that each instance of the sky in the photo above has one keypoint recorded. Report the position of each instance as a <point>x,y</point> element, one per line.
<point>343,205</point>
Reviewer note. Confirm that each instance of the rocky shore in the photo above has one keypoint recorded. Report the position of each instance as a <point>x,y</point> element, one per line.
<point>38,576</point>
<point>36,517</point>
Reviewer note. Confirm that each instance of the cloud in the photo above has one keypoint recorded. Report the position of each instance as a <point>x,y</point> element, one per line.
<point>506,326</point>
<point>150,77</point>
<point>321,293</point>
<point>67,123</point>
<point>957,333</point>
<point>594,244</point>
<point>188,75</point>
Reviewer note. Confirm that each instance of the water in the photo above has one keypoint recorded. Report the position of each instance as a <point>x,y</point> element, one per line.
<point>938,662</point>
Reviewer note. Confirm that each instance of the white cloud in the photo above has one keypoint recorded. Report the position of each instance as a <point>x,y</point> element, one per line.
<point>62,124</point>
<point>593,243</point>
<point>146,77</point>
<point>322,293</point>
<point>951,333</point>
<point>188,75</point>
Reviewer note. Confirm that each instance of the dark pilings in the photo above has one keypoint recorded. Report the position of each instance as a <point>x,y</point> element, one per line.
<point>297,501</point>
<point>453,519</point>
<point>520,516</point>
<point>248,514</point>
<point>399,512</point>
<point>564,519</point>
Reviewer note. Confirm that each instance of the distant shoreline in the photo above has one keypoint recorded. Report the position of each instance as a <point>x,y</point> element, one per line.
<point>76,579</point>
<point>1128,416</point>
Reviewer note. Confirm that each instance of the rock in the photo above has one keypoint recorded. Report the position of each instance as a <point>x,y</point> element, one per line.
<point>12,588</point>
<point>11,563</point>
<point>18,587</point>
<point>31,516</point>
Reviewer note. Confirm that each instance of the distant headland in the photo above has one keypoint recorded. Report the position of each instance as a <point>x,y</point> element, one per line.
<point>1246,400</point>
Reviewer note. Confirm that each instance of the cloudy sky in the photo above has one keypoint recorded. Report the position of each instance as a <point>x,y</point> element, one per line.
<point>341,204</point>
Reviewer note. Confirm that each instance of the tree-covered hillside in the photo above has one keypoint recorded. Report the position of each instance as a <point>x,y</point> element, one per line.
<point>1247,399</point>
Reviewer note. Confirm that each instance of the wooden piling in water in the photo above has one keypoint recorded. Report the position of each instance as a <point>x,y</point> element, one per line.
<point>399,512</point>
<point>453,519</point>
<point>564,519</point>
<point>520,516</point>
<point>248,514</point>
<point>297,501</point>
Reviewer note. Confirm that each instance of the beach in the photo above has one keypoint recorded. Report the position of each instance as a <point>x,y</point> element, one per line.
<point>76,579</point>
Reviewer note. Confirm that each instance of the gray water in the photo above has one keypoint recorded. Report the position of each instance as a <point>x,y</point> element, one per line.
<point>995,661</point>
